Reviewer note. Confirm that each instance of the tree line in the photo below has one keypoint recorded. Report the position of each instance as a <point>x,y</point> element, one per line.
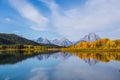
<point>103,43</point>
<point>22,47</point>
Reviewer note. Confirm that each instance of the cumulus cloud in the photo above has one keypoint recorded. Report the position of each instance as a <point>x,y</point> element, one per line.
<point>28,11</point>
<point>94,16</point>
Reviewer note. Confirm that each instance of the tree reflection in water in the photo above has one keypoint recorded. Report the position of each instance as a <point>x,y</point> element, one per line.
<point>13,57</point>
<point>90,58</point>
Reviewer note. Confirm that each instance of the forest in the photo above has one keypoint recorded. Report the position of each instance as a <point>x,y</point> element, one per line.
<point>12,42</point>
<point>101,44</point>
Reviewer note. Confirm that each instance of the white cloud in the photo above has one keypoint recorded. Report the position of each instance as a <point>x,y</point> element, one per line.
<point>98,16</point>
<point>74,68</point>
<point>7,19</point>
<point>94,16</point>
<point>52,5</point>
<point>40,74</point>
<point>29,12</point>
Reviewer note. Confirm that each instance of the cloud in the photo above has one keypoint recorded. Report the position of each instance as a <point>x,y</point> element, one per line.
<point>7,78</point>
<point>28,11</point>
<point>97,16</point>
<point>74,68</point>
<point>94,16</point>
<point>39,76</point>
<point>40,73</point>
<point>7,19</point>
<point>52,6</point>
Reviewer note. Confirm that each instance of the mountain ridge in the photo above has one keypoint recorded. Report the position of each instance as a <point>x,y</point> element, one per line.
<point>59,42</point>
<point>89,38</point>
<point>15,39</point>
<point>12,39</point>
<point>42,40</point>
<point>65,42</point>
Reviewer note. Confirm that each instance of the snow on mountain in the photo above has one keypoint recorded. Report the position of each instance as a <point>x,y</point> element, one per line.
<point>65,42</point>
<point>89,38</point>
<point>62,42</point>
<point>42,40</point>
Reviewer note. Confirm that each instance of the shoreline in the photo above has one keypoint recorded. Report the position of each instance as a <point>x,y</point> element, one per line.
<point>64,50</point>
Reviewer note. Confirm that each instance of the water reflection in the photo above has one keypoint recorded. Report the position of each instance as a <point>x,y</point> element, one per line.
<point>102,57</point>
<point>91,61</point>
<point>59,66</point>
<point>90,58</point>
<point>17,56</point>
<point>65,56</point>
<point>59,55</point>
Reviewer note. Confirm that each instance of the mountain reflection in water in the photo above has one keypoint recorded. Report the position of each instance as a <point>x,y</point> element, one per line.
<point>64,56</point>
<point>90,58</point>
<point>59,66</point>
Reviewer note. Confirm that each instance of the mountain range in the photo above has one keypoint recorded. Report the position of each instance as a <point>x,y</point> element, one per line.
<point>11,39</point>
<point>65,42</point>
<point>16,39</point>
<point>60,42</point>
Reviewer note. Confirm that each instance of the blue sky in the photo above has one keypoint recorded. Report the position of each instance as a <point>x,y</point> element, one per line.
<point>60,18</point>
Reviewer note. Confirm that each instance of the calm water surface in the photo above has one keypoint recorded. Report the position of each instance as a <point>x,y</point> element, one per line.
<point>60,66</point>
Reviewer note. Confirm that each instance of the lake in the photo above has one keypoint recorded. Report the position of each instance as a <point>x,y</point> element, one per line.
<point>59,66</point>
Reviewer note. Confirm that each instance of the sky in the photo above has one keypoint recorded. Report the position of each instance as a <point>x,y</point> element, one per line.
<point>52,19</point>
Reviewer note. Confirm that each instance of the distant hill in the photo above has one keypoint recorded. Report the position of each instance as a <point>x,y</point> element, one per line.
<point>9,39</point>
<point>15,39</point>
<point>4,41</point>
